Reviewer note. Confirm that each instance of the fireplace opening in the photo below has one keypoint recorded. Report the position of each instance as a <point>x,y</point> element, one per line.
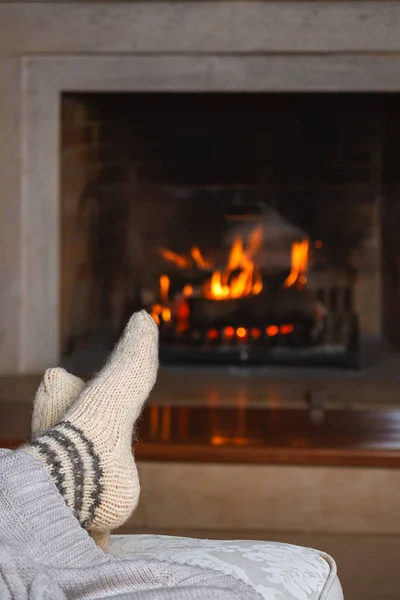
<point>261,295</point>
<point>255,228</point>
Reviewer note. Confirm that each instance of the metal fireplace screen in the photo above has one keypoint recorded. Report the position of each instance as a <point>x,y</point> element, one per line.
<point>266,297</point>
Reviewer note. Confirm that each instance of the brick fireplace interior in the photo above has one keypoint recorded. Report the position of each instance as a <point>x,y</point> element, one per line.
<point>258,229</point>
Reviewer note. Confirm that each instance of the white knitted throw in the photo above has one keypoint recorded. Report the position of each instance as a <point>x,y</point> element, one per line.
<point>46,555</point>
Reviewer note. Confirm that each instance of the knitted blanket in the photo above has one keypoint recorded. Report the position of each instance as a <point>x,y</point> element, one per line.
<point>46,555</point>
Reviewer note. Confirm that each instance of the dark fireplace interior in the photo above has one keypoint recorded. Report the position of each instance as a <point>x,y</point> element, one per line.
<point>255,228</point>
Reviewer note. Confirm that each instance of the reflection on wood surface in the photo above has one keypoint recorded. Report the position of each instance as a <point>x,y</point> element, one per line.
<point>247,434</point>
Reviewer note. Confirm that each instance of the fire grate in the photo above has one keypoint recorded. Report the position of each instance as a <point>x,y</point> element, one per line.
<point>300,329</point>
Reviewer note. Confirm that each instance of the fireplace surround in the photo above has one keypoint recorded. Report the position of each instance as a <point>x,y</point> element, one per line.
<point>47,49</point>
<point>209,211</point>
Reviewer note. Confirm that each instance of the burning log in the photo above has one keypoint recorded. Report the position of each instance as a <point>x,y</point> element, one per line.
<point>191,279</point>
<point>281,306</point>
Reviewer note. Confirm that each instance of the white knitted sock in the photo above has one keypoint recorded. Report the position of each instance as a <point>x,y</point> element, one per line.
<point>89,452</point>
<point>56,392</point>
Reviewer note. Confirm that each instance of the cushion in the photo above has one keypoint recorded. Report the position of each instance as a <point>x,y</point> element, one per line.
<point>276,571</point>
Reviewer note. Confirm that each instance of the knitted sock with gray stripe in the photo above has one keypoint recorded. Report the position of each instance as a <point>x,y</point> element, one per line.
<point>56,392</point>
<point>89,452</point>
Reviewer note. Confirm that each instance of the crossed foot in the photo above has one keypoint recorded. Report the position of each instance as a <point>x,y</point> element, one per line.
<point>82,433</point>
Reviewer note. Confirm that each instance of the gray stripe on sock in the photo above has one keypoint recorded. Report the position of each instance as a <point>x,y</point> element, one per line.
<point>78,471</point>
<point>54,464</point>
<point>96,494</point>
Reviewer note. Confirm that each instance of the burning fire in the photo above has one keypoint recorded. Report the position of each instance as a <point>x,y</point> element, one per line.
<point>299,264</point>
<point>176,259</point>
<point>164,287</point>
<point>240,277</point>
<point>196,259</point>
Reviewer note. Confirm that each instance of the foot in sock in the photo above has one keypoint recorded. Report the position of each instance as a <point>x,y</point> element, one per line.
<point>56,392</point>
<point>89,452</point>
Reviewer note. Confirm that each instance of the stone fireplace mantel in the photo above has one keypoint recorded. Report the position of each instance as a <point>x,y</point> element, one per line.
<point>48,48</point>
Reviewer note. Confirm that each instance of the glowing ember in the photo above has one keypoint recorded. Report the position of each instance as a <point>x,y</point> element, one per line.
<point>229,332</point>
<point>299,264</point>
<point>182,327</point>
<point>241,332</point>
<point>272,330</point>
<point>183,311</point>
<point>212,334</point>
<point>285,329</point>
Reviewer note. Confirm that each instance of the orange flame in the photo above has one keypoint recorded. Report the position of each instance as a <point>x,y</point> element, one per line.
<point>187,290</point>
<point>164,287</point>
<point>186,263</point>
<point>240,278</point>
<point>160,310</point>
<point>177,259</point>
<point>299,264</point>
<point>166,314</point>
<point>200,262</point>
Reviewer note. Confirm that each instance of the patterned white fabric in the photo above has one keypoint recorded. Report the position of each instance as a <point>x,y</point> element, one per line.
<point>276,571</point>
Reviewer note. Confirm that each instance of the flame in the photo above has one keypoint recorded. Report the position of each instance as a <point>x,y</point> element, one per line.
<point>255,241</point>
<point>164,287</point>
<point>166,314</point>
<point>177,259</point>
<point>299,264</point>
<point>198,258</point>
<point>240,278</point>
<point>158,310</point>
<point>186,263</point>
<point>257,285</point>
<point>187,290</point>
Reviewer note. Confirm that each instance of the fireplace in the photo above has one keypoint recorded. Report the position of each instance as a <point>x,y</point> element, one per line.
<point>256,297</point>
<point>255,228</point>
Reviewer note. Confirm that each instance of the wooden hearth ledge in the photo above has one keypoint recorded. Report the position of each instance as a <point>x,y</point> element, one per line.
<point>216,434</point>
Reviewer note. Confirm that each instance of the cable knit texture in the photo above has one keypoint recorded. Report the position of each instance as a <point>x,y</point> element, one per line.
<point>88,453</point>
<point>46,555</point>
